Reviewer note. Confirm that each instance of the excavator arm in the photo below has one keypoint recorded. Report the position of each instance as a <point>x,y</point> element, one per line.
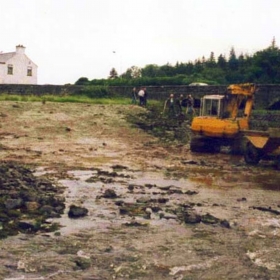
<point>247,89</point>
<point>236,94</point>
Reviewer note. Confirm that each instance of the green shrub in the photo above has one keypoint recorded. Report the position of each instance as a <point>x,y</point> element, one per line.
<point>95,92</point>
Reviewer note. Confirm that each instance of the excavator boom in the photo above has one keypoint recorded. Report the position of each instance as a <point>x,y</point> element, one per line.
<point>247,89</point>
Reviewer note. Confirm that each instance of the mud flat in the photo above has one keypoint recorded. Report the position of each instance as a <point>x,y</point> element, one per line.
<point>154,209</point>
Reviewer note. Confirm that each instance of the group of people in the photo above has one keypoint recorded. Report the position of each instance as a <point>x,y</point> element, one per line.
<point>142,95</point>
<point>176,107</point>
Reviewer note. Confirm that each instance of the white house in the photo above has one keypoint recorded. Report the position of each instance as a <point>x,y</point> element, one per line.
<point>17,68</point>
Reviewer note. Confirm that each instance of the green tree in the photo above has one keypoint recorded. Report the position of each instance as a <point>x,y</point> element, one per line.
<point>233,61</point>
<point>167,70</point>
<point>198,66</point>
<point>113,74</point>
<point>269,61</point>
<point>222,63</point>
<point>150,70</point>
<point>82,81</point>
<point>135,72</point>
<point>211,62</point>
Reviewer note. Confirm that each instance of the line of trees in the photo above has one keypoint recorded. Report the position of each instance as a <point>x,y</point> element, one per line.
<point>263,67</point>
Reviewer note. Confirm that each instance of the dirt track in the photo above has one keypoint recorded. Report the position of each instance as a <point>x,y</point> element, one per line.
<point>176,215</point>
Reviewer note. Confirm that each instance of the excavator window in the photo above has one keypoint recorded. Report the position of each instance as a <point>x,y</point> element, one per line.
<point>212,106</point>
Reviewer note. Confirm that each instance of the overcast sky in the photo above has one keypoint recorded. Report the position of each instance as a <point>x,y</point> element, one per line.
<point>69,39</point>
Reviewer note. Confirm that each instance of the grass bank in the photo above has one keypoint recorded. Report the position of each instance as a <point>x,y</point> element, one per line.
<point>66,98</point>
<point>73,99</point>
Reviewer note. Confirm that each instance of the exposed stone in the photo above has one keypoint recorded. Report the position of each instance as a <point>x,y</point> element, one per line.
<point>191,217</point>
<point>109,193</point>
<point>209,219</point>
<point>21,195</point>
<point>32,205</point>
<point>11,203</point>
<point>77,212</point>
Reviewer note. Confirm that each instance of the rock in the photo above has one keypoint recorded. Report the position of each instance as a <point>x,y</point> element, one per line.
<point>143,200</point>
<point>188,192</point>
<point>109,193</point>
<point>267,209</point>
<point>155,208</point>
<point>77,212</point>
<point>189,162</point>
<point>27,226</point>
<point>82,263</point>
<point>163,200</point>
<point>21,195</point>
<point>133,209</point>
<point>32,205</point>
<point>169,216</point>
<point>175,191</point>
<point>161,214</point>
<point>119,202</point>
<point>82,254</point>
<point>119,167</point>
<point>225,223</point>
<point>92,179</point>
<point>148,213</point>
<point>166,188</point>
<point>123,211</point>
<point>46,209</point>
<point>209,219</point>
<point>13,203</point>
<point>191,217</point>
<point>131,187</point>
<point>149,186</point>
<point>50,211</point>
<point>135,224</point>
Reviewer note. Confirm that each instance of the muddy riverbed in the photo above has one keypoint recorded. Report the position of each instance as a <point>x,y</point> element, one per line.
<point>154,209</point>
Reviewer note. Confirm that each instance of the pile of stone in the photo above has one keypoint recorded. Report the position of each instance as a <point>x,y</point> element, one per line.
<point>26,201</point>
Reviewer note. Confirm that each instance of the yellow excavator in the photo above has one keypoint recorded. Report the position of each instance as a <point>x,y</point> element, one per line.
<point>222,118</point>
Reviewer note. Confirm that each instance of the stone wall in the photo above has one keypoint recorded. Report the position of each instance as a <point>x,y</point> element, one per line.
<point>264,121</point>
<point>265,96</point>
<point>39,89</point>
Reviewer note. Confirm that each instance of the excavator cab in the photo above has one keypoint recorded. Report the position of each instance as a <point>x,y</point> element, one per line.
<point>212,105</point>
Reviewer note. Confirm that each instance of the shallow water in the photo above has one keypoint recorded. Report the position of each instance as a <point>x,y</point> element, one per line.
<point>102,211</point>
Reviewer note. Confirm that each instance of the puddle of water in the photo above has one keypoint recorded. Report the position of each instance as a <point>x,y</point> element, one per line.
<point>83,194</point>
<point>103,213</point>
<point>156,179</point>
<point>40,171</point>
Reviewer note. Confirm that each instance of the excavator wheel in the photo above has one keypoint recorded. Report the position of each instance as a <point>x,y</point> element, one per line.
<point>204,145</point>
<point>252,155</point>
<point>237,147</point>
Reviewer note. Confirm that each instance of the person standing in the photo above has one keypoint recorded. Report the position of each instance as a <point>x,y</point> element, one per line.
<point>141,94</point>
<point>134,96</point>
<point>190,105</point>
<point>145,96</point>
<point>181,98</point>
<point>170,103</point>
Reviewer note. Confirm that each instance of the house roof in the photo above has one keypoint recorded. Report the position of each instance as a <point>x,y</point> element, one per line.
<point>4,57</point>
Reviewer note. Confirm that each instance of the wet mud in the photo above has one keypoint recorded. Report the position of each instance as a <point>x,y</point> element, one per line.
<point>137,204</point>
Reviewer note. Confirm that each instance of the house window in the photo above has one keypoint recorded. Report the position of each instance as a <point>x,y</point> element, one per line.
<point>29,71</point>
<point>10,69</point>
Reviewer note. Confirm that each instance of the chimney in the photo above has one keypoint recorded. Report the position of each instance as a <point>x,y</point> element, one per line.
<point>20,49</point>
